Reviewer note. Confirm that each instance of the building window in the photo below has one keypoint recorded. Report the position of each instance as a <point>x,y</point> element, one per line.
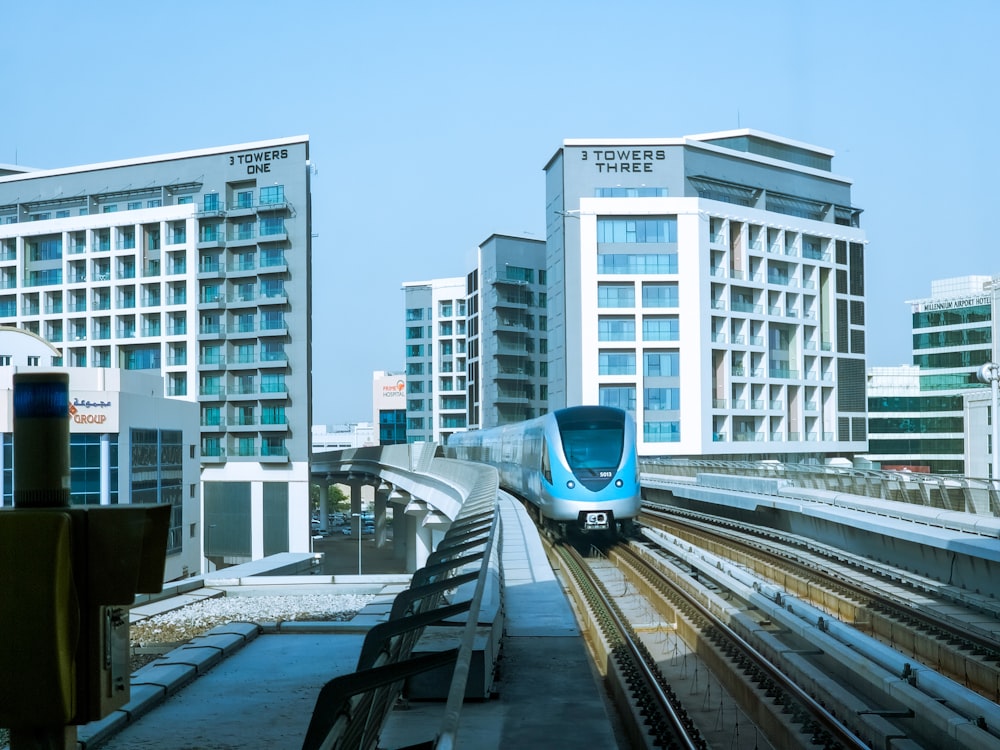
<point>517,273</point>
<point>271,226</point>
<point>272,414</point>
<point>638,230</point>
<point>616,295</point>
<point>616,363</point>
<point>657,263</point>
<point>661,432</point>
<point>618,397</point>
<point>631,192</point>
<point>134,205</point>
<point>272,194</point>
<point>272,383</point>
<point>272,351</point>
<point>244,199</point>
<point>659,295</point>
<point>660,329</point>
<point>154,203</point>
<point>616,329</point>
<point>211,202</point>
<point>661,399</point>
<point>49,248</point>
<point>661,364</point>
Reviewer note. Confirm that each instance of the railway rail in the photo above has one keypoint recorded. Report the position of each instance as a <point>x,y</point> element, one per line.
<point>653,715</point>
<point>882,697</point>
<point>959,636</point>
<point>788,715</point>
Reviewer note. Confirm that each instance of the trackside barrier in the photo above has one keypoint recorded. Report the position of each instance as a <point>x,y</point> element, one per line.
<point>947,492</point>
<point>351,710</point>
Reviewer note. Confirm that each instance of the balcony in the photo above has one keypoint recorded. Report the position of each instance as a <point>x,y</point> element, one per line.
<point>273,297</point>
<point>272,206</point>
<point>213,454</point>
<point>273,454</point>
<point>273,261</point>
<point>211,331</point>
<point>243,362</point>
<point>272,359</point>
<point>243,331</point>
<point>242,299</point>
<point>212,362</point>
<point>211,301</point>
<point>243,424</point>
<point>241,236</point>
<point>274,330</point>
<point>243,392</point>
<point>212,393</point>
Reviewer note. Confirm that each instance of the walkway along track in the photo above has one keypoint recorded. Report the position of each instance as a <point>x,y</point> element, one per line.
<point>955,642</point>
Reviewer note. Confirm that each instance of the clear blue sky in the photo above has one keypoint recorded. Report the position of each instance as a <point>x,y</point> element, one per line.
<point>430,123</point>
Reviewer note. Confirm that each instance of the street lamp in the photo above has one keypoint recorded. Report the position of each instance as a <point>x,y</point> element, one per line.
<point>358,516</point>
<point>990,373</point>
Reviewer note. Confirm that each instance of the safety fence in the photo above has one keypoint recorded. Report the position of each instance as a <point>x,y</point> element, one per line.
<point>352,709</point>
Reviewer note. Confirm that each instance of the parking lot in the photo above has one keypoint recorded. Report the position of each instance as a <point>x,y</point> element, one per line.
<point>341,554</point>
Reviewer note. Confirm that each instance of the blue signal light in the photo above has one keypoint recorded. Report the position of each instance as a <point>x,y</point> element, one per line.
<point>41,398</point>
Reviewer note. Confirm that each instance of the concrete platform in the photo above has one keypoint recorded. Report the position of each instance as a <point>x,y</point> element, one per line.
<point>261,695</point>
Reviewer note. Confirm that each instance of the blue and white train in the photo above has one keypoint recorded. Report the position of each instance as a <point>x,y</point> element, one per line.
<point>577,466</point>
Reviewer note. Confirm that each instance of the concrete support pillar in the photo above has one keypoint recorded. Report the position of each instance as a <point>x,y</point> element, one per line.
<point>423,541</point>
<point>324,505</point>
<point>402,529</point>
<point>381,502</point>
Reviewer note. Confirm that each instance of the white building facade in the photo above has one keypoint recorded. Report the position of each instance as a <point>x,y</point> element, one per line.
<point>195,265</point>
<point>127,443</point>
<point>937,420</point>
<point>435,359</point>
<point>713,285</point>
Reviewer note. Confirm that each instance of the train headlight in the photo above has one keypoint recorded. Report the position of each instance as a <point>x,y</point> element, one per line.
<point>619,483</point>
<point>570,484</point>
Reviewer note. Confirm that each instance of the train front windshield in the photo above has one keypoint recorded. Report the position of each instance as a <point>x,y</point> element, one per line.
<point>592,446</point>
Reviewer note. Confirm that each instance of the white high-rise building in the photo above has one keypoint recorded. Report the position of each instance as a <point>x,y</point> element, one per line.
<point>435,359</point>
<point>714,286</point>
<point>196,265</point>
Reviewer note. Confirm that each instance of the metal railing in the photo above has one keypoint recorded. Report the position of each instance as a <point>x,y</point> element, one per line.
<point>351,710</point>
